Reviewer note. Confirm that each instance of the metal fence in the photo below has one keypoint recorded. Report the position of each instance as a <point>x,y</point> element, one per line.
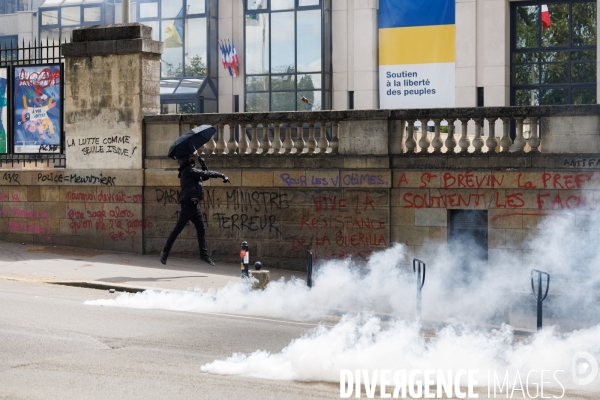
<point>14,54</point>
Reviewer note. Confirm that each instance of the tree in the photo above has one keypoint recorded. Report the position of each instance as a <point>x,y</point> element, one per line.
<point>194,66</point>
<point>547,67</point>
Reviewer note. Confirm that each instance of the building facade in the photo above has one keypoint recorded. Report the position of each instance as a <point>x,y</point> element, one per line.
<point>324,54</point>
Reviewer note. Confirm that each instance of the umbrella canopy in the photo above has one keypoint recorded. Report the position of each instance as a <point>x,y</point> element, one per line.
<point>189,142</point>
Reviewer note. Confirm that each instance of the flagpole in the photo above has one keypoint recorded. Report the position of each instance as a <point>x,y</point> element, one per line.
<point>125,18</point>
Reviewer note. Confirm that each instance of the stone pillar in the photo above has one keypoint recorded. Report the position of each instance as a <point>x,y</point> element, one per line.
<point>466,53</point>
<point>366,64</point>
<point>112,80</point>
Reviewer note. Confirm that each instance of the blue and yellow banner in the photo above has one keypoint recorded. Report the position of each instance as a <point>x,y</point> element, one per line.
<point>416,53</point>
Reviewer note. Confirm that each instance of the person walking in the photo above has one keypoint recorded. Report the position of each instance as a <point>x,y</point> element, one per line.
<point>192,192</point>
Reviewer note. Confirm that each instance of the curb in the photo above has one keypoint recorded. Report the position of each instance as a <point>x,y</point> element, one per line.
<point>102,286</point>
<point>88,284</point>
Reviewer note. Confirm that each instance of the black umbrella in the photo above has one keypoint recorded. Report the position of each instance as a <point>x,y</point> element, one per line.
<point>192,140</point>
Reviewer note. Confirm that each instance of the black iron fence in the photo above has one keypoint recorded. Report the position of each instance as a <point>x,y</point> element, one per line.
<point>15,57</point>
<point>43,52</point>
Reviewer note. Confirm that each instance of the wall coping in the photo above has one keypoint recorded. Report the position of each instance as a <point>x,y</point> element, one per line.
<point>97,33</point>
<point>112,39</point>
<point>349,115</point>
<point>501,161</point>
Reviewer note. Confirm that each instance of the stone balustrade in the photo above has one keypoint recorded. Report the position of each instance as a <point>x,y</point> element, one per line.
<point>274,138</point>
<point>456,131</point>
<point>471,135</point>
<point>469,130</point>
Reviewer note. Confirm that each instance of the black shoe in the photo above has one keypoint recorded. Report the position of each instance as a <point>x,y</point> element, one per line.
<point>207,260</point>
<point>163,257</point>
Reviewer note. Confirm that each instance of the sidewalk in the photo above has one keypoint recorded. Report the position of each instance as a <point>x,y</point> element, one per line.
<point>135,273</point>
<point>122,271</point>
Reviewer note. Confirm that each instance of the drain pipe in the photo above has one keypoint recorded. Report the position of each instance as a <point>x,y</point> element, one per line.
<point>125,12</point>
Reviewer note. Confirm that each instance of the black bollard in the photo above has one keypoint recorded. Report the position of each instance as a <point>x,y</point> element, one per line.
<point>419,271</point>
<point>245,259</point>
<point>309,267</point>
<point>539,296</point>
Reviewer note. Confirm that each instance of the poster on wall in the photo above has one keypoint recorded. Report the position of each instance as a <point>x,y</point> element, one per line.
<point>37,108</point>
<point>3,110</point>
<point>416,53</point>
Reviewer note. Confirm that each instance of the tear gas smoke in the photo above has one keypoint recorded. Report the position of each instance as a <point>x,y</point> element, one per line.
<point>460,290</point>
<point>359,342</point>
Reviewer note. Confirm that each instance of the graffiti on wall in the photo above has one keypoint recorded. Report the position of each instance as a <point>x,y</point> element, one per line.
<point>236,210</point>
<point>446,190</point>
<point>335,179</point>
<point>23,220</point>
<point>104,213</point>
<point>340,227</point>
<point>37,109</point>
<point>333,226</point>
<point>76,178</point>
<point>119,145</point>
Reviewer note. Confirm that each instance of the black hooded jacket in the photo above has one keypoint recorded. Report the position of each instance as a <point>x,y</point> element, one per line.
<point>191,179</point>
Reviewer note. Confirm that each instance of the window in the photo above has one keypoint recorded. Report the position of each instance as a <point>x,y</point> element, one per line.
<point>186,27</point>
<point>288,55</point>
<point>58,18</point>
<point>173,22</point>
<point>13,6</point>
<point>188,69</point>
<point>553,52</point>
<point>7,44</point>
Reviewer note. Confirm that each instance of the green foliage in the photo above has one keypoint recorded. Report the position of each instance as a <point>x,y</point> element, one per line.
<point>527,26</point>
<point>194,66</point>
<point>531,35</point>
<point>186,108</point>
<point>558,33</point>
<point>548,67</point>
<point>280,100</point>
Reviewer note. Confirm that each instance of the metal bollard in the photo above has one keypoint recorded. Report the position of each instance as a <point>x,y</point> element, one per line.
<point>539,296</point>
<point>419,271</point>
<point>245,259</point>
<point>309,268</point>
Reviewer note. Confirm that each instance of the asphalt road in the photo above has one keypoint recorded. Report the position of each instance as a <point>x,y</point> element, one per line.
<point>52,346</point>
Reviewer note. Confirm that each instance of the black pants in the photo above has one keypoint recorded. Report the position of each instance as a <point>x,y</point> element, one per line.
<point>190,211</point>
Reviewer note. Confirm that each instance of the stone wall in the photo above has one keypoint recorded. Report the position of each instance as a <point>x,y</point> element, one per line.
<point>336,212</point>
<point>112,79</point>
<point>357,197</point>
<point>111,84</point>
<point>281,213</point>
<point>516,200</point>
<point>97,209</point>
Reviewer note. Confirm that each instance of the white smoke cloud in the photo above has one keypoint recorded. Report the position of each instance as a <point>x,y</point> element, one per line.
<point>462,295</point>
<point>360,342</point>
<point>339,287</point>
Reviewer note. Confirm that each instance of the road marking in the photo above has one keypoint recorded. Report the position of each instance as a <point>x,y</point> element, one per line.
<point>262,319</point>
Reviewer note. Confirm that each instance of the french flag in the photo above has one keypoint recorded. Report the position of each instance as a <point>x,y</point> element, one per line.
<point>545,17</point>
<point>236,60</point>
